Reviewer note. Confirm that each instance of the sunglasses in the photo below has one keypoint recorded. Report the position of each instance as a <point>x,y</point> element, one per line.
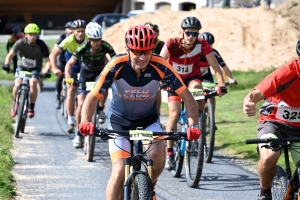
<point>193,34</point>
<point>96,40</point>
<point>141,52</point>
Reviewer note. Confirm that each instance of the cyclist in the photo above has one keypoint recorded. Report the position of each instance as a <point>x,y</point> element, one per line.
<point>206,75</point>
<point>157,49</point>
<point>32,51</point>
<point>277,116</point>
<point>16,35</point>
<point>183,54</point>
<point>92,57</point>
<point>135,78</point>
<point>69,45</point>
<point>61,62</point>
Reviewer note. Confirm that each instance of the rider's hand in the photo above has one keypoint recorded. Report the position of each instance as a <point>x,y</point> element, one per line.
<point>57,72</point>
<point>232,82</point>
<point>193,133</point>
<point>6,68</point>
<point>46,75</point>
<point>70,80</point>
<point>86,128</point>
<point>221,90</point>
<point>249,106</point>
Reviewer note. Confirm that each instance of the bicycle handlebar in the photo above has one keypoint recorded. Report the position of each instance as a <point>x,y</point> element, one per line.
<point>110,134</point>
<point>274,140</point>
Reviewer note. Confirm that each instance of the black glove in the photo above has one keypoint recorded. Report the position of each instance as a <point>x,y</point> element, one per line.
<point>222,90</point>
<point>46,75</point>
<point>6,68</point>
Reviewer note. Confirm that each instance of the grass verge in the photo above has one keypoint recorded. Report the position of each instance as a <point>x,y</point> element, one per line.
<point>6,131</point>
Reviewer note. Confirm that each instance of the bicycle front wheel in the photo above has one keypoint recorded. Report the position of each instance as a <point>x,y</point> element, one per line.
<point>176,171</point>
<point>141,188</point>
<point>195,158</point>
<point>279,184</point>
<point>209,131</point>
<point>22,100</point>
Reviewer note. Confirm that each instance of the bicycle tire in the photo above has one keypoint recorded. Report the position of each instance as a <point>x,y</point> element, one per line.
<point>195,157</point>
<point>90,141</point>
<point>62,105</point>
<point>176,171</point>
<point>23,124</point>
<point>279,184</point>
<point>22,99</point>
<point>209,131</point>
<point>140,188</point>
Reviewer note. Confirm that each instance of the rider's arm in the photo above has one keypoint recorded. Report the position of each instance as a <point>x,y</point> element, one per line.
<point>68,69</point>
<point>228,72</point>
<point>48,65</point>
<point>224,66</point>
<point>215,65</point>
<point>250,102</point>
<point>164,54</point>
<point>191,106</point>
<point>9,57</point>
<point>55,52</point>
<point>88,106</point>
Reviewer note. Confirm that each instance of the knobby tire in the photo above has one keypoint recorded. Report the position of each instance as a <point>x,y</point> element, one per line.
<point>279,184</point>
<point>209,127</point>
<point>22,99</point>
<point>176,171</point>
<point>195,157</point>
<point>141,188</point>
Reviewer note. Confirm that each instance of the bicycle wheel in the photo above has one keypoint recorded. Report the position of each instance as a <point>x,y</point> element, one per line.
<point>279,184</point>
<point>24,117</point>
<point>141,188</point>
<point>209,131</point>
<point>22,99</point>
<point>195,158</point>
<point>89,142</point>
<point>178,156</point>
<point>62,105</point>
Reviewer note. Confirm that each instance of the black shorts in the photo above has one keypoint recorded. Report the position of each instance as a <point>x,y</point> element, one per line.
<point>82,85</point>
<point>186,81</point>
<point>278,129</point>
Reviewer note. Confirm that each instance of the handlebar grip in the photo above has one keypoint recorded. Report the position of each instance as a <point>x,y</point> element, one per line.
<point>256,141</point>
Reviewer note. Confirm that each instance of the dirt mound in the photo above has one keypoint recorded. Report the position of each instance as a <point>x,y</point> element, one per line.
<point>255,38</point>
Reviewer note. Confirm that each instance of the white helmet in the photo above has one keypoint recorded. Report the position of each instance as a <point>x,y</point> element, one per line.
<point>93,30</point>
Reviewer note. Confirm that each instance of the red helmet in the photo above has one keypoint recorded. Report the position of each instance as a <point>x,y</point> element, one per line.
<point>140,38</point>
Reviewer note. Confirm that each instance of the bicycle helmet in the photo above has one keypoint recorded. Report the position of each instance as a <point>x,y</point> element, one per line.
<point>31,28</point>
<point>298,47</point>
<point>208,37</point>
<point>153,26</point>
<point>16,30</point>
<point>191,22</point>
<point>93,30</point>
<point>68,24</point>
<point>78,24</point>
<point>140,38</point>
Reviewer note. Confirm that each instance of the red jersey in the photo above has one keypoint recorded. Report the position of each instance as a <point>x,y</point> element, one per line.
<point>185,62</point>
<point>281,89</point>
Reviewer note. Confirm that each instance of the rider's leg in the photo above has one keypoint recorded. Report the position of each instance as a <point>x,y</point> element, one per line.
<point>266,166</point>
<point>58,88</point>
<point>114,189</point>
<point>13,111</point>
<point>33,91</point>
<point>174,114</point>
<point>102,101</point>
<point>78,140</point>
<point>197,84</point>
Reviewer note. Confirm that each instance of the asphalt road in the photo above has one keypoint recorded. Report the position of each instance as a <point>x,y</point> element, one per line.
<point>49,167</point>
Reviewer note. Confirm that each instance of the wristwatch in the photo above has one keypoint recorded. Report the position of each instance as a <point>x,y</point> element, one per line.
<point>194,126</point>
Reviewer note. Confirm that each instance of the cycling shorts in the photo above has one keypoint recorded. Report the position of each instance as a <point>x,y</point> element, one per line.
<point>207,78</point>
<point>36,72</point>
<point>172,96</point>
<point>277,130</point>
<point>82,87</point>
<point>76,67</point>
<point>120,147</point>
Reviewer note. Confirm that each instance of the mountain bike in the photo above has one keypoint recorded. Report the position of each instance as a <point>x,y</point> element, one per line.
<point>63,97</point>
<point>285,186</point>
<point>138,182</point>
<point>22,100</point>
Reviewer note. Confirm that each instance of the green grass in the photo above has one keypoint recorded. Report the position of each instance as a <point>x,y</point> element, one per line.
<point>6,131</point>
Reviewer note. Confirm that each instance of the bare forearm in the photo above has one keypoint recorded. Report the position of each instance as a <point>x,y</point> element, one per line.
<point>228,72</point>
<point>191,107</point>
<point>255,96</point>
<point>9,57</point>
<point>88,108</point>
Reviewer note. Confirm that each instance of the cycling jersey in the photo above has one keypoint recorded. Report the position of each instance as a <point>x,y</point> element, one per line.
<point>204,65</point>
<point>61,60</point>
<point>12,40</point>
<point>135,98</point>
<point>89,62</point>
<point>31,56</point>
<point>70,43</point>
<point>281,90</point>
<point>185,62</point>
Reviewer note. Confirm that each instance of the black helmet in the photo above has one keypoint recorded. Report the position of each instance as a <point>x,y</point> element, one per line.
<point>298,47</point>
<point>153,26</point>
<point>208,37</point>
<point>68,24</point>
<point>78,24</point>
<point>191,22</point>
<point>16,30</point>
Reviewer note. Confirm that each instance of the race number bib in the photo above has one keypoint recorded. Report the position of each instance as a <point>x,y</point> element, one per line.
<point>287,113</point>
<point>29,63</point>
<point>204,70</point>
<point>182,69</point>
<point>89,85</point>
